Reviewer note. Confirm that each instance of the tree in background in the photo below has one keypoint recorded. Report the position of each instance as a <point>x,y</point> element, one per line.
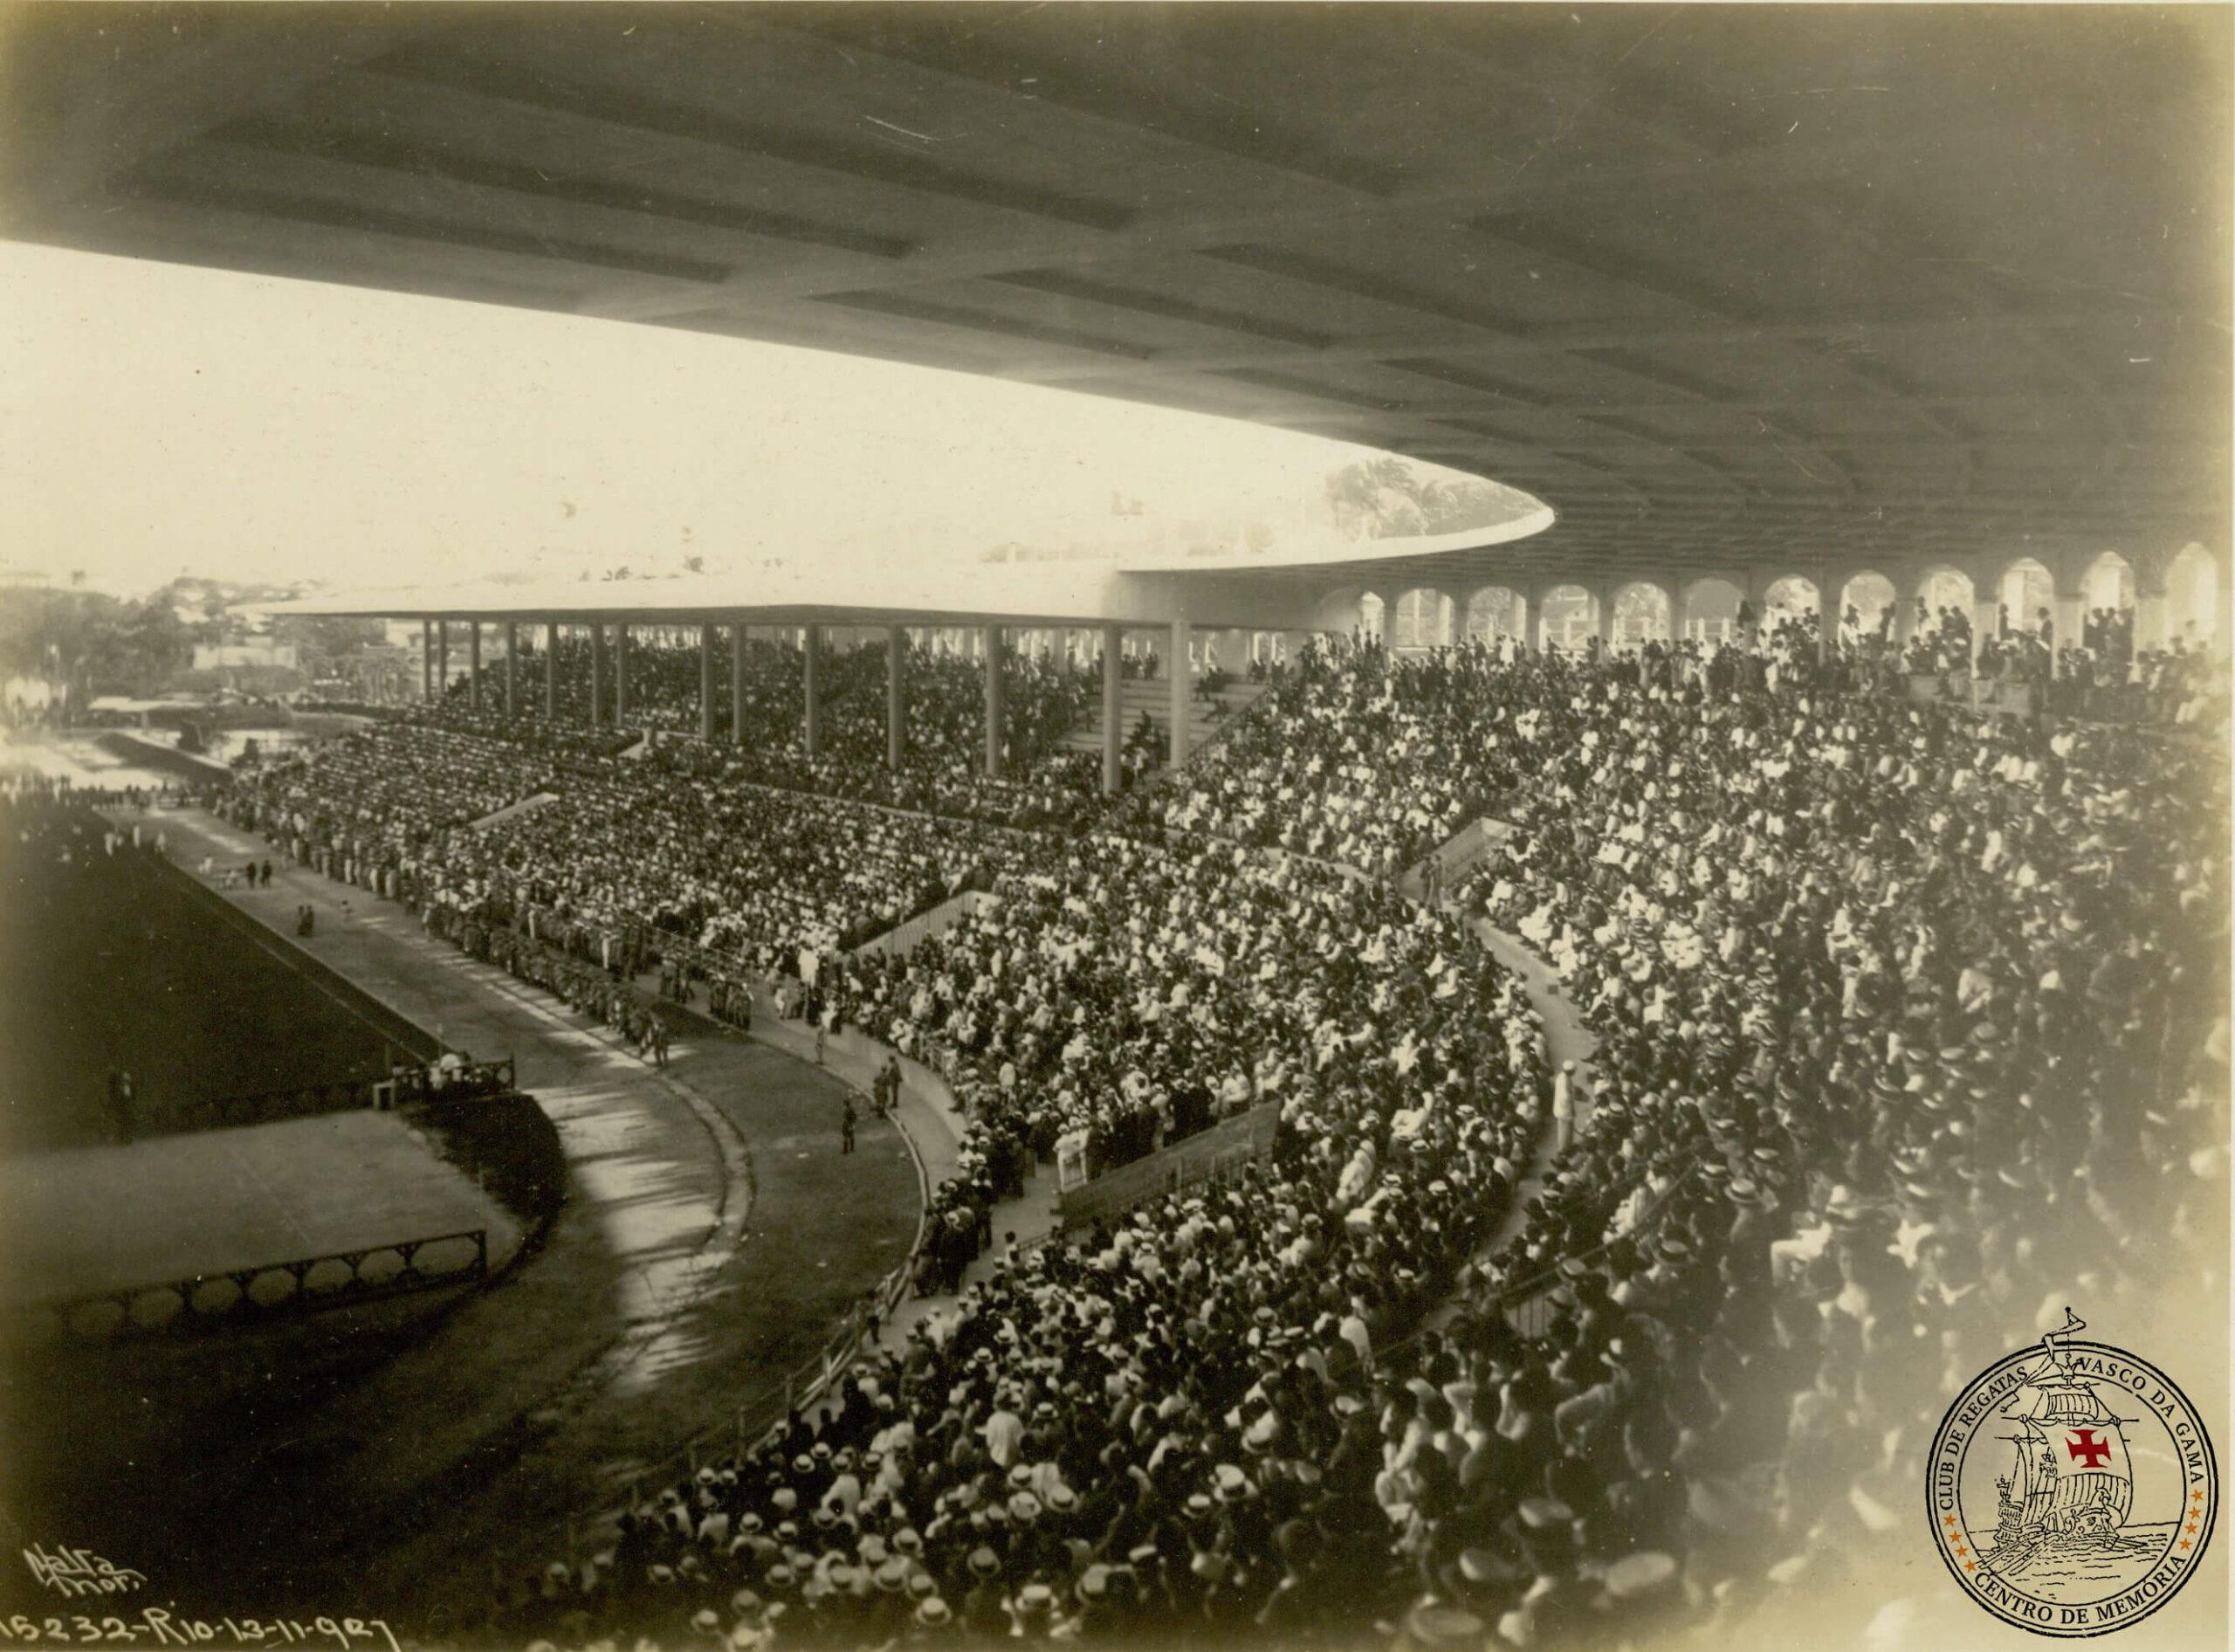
<point>1392,497</point>
<point>84,642</point>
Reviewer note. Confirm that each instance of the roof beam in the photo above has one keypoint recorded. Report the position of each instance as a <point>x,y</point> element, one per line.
<point>167,75</point>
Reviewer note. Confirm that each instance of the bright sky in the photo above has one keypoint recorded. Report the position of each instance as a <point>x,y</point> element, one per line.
<point>157,419</point>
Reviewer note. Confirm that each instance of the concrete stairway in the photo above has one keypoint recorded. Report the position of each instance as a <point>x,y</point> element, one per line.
<point>526,806</point>
<point>1154,698</point>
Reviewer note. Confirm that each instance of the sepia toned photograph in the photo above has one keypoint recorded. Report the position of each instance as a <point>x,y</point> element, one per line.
<point>1358,827</point>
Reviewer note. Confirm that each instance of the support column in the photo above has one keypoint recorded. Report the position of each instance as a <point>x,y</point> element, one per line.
<point>1677,618</point>
<point>1113,707</point>
<point>427,661</point>
<point>473,664</point>
<point>2071,610</point>
<point>1754,589</point>
<point>597,673</point>
<point>896,701</point>
<point>1986,621</point>
<point>1828,615</point>
<point>706,683</point>
<point>994,701</point>
<point>511,668</point>
<point>620,672</point>
<point>736,683</point>
<point>1602,617</point>
<point>442,659</point>
<point>1538,625</point>
<point>1181,686</point>
<point>2152,619</point>
<point>811,640</point>
<point>551,670</point>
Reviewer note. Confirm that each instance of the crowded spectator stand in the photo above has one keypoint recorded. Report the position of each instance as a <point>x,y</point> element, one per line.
<point>1871,980</point>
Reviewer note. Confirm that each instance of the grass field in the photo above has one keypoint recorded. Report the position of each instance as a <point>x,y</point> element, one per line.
<point>120,961</point>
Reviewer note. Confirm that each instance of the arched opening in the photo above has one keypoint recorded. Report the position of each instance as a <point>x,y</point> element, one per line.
<point>1867,607</point>
<point>1337,611</point>
<point>2106,607</point>
<point>2192,597</point>
<point>1711,611</point>
<point>1494,611</point>
<point>1943,591</point>
<point>1372,612</point>
<point>1790,599</point>
<point>1568,617</point>
<point>1419,620</point>
<point>2027,593</point>
<point>2107,586</point>
<point>1640,614</point>
<point>1940,621</point>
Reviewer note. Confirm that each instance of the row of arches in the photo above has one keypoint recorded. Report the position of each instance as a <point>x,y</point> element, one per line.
<point>2025,595</point>
<point>1567,615</point>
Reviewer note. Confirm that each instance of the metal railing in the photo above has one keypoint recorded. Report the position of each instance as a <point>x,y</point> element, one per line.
<point>296,1101</point>
<point>411,1082</point>
<point>272,1290</point>
<point>473,1081</point>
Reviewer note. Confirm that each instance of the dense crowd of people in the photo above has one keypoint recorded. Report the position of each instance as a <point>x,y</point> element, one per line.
<point>1170,1426</point>
<point>1906,1015</point>
<point>2100,675</point>
<point>943,741</point>
<point>367,808</point>
<point>1898,1010</point>
<point>595,853</point>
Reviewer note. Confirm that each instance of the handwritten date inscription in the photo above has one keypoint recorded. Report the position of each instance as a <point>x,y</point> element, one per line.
<point>76,1574</point>
<point>153,1627</point>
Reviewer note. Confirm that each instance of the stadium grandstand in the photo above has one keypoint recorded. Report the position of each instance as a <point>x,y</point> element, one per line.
<point>1470,1075</point>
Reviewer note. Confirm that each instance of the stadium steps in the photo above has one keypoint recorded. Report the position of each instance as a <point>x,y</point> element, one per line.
<point>902,938</point>
<point>1459,854</point>
<point>1153,698</point>
<point>526,806</point>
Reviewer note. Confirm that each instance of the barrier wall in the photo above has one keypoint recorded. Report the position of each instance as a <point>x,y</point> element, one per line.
<point>1210,1153</point>
<point>1980,693</point>
<point>903,938</point>
<point>1465,846</point>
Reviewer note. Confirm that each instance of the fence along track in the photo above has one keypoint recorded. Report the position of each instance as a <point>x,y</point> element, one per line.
<point>255,1295</point>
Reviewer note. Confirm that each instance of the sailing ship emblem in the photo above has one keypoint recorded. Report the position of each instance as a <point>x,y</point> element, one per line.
<point>2072,1476</point>
<point>2073,1486</point>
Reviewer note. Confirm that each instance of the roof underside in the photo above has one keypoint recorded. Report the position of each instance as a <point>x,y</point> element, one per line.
<point>1722,287</point>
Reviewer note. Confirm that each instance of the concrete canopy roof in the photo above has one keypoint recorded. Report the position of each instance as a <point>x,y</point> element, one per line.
<point>1725,287</point>
<point>1237,591</point>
